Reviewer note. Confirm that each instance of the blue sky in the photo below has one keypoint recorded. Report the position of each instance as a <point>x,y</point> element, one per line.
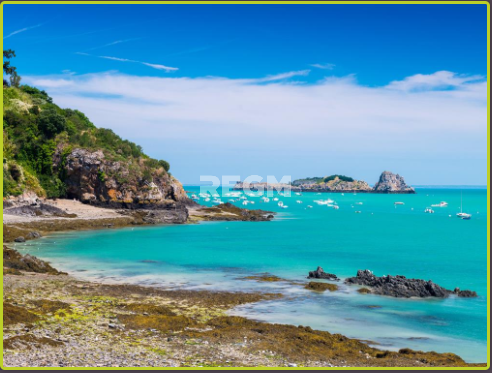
<point>283,89</point>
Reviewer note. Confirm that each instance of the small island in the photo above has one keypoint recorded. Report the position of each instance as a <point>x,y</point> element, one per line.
<point>389,183</point>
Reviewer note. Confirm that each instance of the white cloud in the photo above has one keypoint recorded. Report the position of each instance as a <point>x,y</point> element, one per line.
<point>332,121</point>
<point>282,76</point>
<point>21,30</point>
<point>324,66</point>
<point>438,80</point>
<point>112,43</point>
<point>153,65</point>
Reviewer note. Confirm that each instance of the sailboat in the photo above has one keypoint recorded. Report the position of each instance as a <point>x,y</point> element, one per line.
<point>462,214</point>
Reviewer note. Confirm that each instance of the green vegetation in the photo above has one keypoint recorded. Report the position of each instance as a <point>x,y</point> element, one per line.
<point>319,180</point>
<point>36,132</point>
<point>341,177</point>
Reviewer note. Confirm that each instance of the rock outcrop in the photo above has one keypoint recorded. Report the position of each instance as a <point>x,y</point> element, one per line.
<point>92,178</point>
<point>229,212</point>
<point>13,260</point>
<point>319,273</point>
<point>391,183</point>
<point>402,287</point>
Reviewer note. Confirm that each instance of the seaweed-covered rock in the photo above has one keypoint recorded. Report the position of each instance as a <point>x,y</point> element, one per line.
<point>229,212</point>
<point>320,286</point>
<point>319,273</point>
<point>14,260</point>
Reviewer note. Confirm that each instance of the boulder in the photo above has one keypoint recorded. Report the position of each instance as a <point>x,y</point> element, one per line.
<point>319,273</point>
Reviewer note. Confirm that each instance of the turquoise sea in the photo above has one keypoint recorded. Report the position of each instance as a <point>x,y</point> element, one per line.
<point>384,238</point>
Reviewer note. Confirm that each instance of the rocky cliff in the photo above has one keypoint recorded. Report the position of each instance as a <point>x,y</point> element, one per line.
<point>92,178</point>
<point>59,153</point>
<point>391,183</point>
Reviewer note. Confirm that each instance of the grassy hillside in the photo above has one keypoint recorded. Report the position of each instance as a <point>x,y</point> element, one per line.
<point>35,130</point>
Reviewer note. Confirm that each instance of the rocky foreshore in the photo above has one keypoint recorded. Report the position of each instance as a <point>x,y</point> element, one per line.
<point>53,320</point>
<point>402,287</point>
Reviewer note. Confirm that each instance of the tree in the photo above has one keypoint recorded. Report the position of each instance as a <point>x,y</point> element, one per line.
<point>15,79</point>
<point>165,165</point>
<point>51,123</point>
<point>8,54</point>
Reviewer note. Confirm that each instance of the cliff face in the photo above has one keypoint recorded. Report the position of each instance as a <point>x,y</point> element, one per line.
<point>59,153</point>
<point>391,183</point>
<point>92,178</point>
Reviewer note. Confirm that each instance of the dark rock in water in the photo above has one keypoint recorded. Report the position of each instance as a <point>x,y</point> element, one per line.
<point>465,293</point>
<point>319,273</point>
<point>20,239</point>
<point>402,287</point>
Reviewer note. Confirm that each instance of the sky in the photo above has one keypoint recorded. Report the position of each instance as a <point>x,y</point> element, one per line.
<point>299,90</point>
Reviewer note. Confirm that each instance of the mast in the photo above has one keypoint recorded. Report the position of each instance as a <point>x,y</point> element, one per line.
<point>462,201</point>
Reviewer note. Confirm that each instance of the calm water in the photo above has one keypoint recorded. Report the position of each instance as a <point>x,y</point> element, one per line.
<point>383,238</point>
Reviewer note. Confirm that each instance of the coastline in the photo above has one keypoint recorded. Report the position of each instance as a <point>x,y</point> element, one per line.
<point>132,325</point>
<point>204,331</point>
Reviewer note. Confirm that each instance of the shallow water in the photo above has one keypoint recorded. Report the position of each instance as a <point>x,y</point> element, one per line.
<point>384,238</point>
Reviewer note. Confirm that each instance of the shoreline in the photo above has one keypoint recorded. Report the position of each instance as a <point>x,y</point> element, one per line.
<point>316,346</point>
<point>189,320</point>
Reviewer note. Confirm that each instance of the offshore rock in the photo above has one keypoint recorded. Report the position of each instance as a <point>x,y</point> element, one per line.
<point>391,183</point>
<point>402,287</point>
<point>319,273</point>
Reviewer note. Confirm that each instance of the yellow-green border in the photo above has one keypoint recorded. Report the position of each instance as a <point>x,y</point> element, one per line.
<point>278,3</point>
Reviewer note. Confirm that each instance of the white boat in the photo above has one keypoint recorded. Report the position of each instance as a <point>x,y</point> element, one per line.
<point>245,203</point>
<point>275,199</point>
<point>309,206</point>
<point>358,203</point>
<point>265,199</point>
<point>280,203</point>
<point>207,199</point>
<point>324,202</point>
<point>399,203</point>
<point>358,212</point>
<point>298,194</point>
<point>284,206</point>
<point>298,201</point>
<point>336,207</point>
<point>428,210</point>
<point>461,214</point>
<point>440,204</point>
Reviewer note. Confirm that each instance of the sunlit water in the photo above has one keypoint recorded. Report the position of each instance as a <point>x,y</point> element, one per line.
<point>386,239</point>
